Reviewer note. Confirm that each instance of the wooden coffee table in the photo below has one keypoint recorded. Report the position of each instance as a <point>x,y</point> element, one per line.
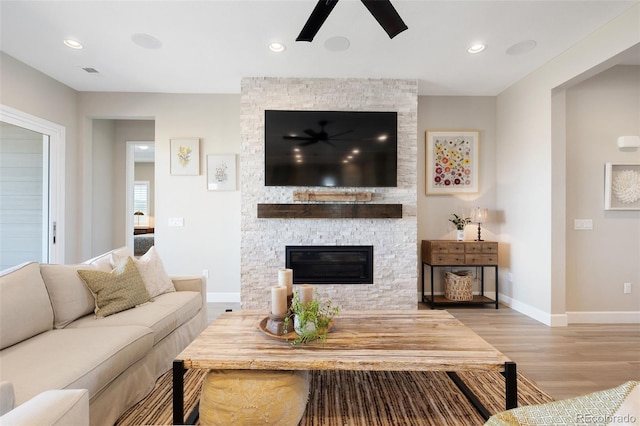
<point>359,340</point>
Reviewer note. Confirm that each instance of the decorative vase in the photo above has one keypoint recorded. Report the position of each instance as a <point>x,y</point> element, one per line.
<point>309,326</point>
<point>460,235</point>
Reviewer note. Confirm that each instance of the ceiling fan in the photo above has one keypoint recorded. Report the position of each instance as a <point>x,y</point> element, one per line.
<point>382,10</point>
<point>315,137</point>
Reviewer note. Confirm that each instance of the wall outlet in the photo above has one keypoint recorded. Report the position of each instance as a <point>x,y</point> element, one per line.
<point>510,277</point>
<point>627,288</point>
<point>176,221</point>
<point>205,273</point>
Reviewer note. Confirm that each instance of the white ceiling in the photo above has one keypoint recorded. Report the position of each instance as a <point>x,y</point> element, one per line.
<point>208,46</point>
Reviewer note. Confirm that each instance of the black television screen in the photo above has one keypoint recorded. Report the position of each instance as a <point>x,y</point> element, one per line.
<point>331,148</point>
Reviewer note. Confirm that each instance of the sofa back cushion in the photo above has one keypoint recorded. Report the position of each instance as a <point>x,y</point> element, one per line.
<point>25,309</point>
<point>105,262</point>
<point>70,298</point>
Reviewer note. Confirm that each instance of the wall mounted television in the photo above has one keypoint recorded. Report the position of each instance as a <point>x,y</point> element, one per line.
<point>331,148</point>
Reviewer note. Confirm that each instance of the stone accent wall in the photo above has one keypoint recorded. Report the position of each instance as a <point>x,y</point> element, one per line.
<point>394,240</point>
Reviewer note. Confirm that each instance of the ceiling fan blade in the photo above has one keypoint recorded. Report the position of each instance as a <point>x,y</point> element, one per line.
<point>317,18</point>
<point>386,15</point>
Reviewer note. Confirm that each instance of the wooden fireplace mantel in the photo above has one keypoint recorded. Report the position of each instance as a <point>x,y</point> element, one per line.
<point>329,211</point>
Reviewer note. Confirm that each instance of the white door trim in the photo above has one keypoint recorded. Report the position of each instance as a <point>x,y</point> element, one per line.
<point>57,141</point>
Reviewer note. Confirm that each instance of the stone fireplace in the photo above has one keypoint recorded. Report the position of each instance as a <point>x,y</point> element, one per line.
<point>394,240</point>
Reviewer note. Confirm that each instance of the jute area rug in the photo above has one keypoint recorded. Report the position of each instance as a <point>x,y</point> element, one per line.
<point>365,398</point>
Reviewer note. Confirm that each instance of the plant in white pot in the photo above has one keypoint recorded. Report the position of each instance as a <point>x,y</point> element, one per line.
<point>312,319</point>
<point>460,223</point>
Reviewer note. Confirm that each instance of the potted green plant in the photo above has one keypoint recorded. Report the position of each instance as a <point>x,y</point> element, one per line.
<point>312,320</point>
<point>460,223</point>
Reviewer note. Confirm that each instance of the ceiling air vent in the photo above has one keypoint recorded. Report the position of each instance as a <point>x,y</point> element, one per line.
<point>90,70</point>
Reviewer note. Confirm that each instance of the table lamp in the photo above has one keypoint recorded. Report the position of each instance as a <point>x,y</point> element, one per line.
<point>137,215</point>
<point>479,216</point>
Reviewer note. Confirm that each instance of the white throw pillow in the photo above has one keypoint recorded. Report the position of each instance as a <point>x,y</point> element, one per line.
<point>154,276</point>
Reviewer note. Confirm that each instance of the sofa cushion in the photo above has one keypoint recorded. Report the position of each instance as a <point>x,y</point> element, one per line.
<point>104,262</point>
<point>167,312</point>
<point>70,297</point>
<point>73,359</point>
<point>116,291</point>
<point>52,408</point>
<point>152,270</point>
<point>25,309</point>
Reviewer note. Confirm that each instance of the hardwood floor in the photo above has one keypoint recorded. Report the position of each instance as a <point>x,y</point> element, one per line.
<point>564,361</point>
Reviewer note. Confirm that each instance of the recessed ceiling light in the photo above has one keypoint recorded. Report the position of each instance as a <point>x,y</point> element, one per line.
<point>476,47</point>
<point>277,47</point>
<point>72,44</point>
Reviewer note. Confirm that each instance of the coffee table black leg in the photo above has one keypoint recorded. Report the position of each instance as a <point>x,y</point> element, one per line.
<point>471,397</point>
<point>178,392</point>
<point>511,384</point>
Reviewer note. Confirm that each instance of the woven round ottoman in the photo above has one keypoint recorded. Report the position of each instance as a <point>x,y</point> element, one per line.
<point>254,397</point>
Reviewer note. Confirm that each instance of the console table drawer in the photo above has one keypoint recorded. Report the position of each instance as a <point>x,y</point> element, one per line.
<point>446,247</point>
<point>447,259</point>
<point>484,248</point>
<point>481,259</point>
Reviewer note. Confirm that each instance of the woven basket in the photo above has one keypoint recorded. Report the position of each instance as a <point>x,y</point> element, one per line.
<point>458,286</point>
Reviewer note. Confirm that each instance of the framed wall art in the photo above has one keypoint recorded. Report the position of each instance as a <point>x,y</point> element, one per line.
<point>622,186</point>
<point>221,172</point>
<point>185,156</point>
<point>452,161</point>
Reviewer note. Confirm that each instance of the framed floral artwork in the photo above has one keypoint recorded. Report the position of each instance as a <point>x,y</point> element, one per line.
<point>452,161</point>
<point>185,156</point>
<point>221,172</point>
<point>622,186</point>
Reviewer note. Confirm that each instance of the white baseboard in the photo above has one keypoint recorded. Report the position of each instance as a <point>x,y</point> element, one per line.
<point>223,297</point>
<point>557,320</point>
<point>604,317</point>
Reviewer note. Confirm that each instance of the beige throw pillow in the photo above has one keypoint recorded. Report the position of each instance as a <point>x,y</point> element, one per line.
<point>116,291</point>
<point>152,270</point>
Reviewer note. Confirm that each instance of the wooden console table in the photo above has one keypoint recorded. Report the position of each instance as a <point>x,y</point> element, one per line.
<point>444,253</point>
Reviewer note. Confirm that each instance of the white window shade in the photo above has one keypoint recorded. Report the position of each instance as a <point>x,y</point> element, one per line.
<point>141,203</point>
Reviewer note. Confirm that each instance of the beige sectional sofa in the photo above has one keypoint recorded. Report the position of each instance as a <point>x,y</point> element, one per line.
<point>50,338</point>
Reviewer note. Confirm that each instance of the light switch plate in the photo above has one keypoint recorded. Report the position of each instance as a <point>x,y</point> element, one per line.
<point>176,221</point>
<point>583,224</point>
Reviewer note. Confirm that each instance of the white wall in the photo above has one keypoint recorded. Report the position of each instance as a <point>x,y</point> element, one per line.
<point>527,187</point>
<point>210,238</point>
<point>434,211</point>
<point>32,92</point>
<point>103,211</point>
<point>599,261</point>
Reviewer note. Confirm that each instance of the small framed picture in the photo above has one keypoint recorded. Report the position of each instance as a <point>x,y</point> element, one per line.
<point>221,172</point>
<point>185,156</point>
<point>452,161</point>
<point>622,186</point>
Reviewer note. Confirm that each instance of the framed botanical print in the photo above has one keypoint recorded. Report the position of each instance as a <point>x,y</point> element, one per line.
<point>221,172</point>
<point>185,156</point>
<point>452,163</point>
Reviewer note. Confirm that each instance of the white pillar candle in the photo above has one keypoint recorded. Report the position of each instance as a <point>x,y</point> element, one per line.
<point>305,293</point>
<point>285,278</point>
<point>278,301</point>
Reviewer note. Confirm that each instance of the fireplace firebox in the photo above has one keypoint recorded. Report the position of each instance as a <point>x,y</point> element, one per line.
<point>330,264</point>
